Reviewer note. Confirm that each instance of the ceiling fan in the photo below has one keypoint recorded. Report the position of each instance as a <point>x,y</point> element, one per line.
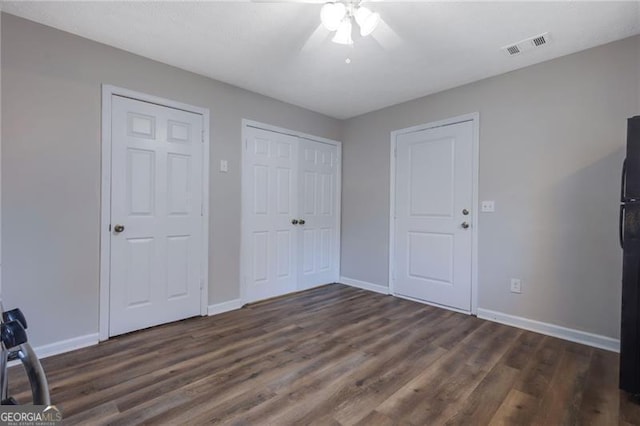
<point>339,16</point>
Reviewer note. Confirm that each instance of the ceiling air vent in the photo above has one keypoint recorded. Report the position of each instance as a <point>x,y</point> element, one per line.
<point>527,44</point>
<point>513,50</point>
<point>539,41</point>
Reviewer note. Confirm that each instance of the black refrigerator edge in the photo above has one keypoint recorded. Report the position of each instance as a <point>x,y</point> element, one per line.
<point>630,243</point>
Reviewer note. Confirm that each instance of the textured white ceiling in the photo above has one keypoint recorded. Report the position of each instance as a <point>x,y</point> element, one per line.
<point>281,50</point>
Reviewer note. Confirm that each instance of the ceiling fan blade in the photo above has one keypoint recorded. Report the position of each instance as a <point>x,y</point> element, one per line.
<point>290,1</point>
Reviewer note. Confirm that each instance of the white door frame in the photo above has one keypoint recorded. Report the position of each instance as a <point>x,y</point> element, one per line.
<point>105,211</point>
<point>244,234</point>
<point>475,118</point>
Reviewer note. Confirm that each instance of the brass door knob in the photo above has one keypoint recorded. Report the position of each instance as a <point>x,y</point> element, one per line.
<point>465,225</point>
<point>118,228</point>
<point>294,221</point>
<point>301,222</point>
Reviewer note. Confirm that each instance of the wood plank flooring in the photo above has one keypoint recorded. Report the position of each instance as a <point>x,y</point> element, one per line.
<point>336,355</point>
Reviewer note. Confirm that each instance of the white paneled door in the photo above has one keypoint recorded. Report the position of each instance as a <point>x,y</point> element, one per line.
<point>433,208</point>
<point>271,204</point>
<point>317,194</point>
<point>289,213</point>
<point>156,215</point>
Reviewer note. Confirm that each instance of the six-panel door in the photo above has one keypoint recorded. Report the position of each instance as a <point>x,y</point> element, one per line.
<point>271,204</point>
<point>156,208</point>
<point>317,193</point>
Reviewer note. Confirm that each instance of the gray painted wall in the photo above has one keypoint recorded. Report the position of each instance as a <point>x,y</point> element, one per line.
<point>552,139</point>
<point>51,84</point>
<point>551,144</point>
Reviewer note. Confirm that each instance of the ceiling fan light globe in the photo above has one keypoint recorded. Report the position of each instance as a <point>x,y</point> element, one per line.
<point>361,14</point>
<point>367,20</point>
<point>343,34</point>
<point>332,15</point>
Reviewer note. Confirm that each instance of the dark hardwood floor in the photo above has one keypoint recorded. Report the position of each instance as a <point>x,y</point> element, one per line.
<point>336,355</point>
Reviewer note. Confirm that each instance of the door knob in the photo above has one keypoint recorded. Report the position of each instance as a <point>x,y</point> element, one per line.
<point>301,222</point>
<point>118,228</point>
<point>465,212</point>
<point>465,225</point>
<point>294,221</point>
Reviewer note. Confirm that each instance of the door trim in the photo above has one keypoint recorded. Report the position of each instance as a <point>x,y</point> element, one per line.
<point>475,118</point>
<point>105,197</point>
<point>243,220</point>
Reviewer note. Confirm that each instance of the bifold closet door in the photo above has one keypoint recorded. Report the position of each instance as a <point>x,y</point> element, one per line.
<point>317,187</point>
<point>289,214</point>
<point>270,204</point>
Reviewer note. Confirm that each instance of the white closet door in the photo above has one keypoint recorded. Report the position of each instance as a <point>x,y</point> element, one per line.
<point>270,205</point>
<point>434,201</point>
<point>156,202</point>
<point>318,235</point>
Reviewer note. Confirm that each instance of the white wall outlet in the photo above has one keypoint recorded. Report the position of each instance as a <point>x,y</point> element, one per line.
<point>516,285</point>
<point>488,206</point>
<point>224,166</point>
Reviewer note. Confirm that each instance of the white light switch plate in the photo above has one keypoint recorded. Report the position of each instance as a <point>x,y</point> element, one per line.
<point>224,166</point>
<point>516,285</point>
<point>488,206</point>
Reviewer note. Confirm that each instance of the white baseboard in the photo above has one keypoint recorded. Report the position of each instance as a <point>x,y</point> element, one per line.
<point>364,285</point>
<point>66,345</point>
<point>63,346</point>
<point>220,308</point>
<point>548,329</point>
